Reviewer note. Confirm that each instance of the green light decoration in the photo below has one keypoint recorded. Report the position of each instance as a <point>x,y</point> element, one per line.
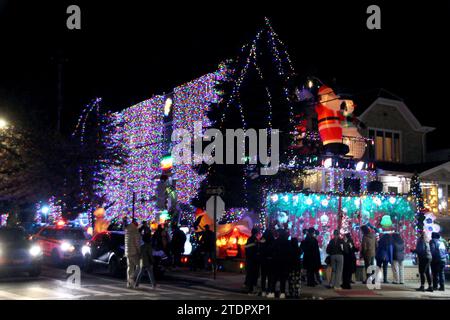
<point>164,215</point>
<point>300,203</point>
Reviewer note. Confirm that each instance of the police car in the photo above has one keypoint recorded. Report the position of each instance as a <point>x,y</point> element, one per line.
<point>62,244</point>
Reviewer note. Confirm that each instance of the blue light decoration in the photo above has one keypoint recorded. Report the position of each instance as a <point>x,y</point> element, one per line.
<point>298,204</point>
<point>333,210</point>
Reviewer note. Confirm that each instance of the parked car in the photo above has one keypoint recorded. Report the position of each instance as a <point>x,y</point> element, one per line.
<point>18,253</point>
<point>62,244</point>
<point>107,250</point>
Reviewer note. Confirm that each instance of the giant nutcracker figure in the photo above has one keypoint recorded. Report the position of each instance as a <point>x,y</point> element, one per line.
<point>329,109</point>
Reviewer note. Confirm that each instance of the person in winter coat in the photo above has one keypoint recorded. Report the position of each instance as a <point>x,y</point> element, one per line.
<point>398,257</point>
<point>267,243</point>
<point>424,257</point>
<point>144,228</point>
<point>207,245</point>
<point>311,257</point>
<point>349,261</point>
<point>368,249</point>
<point>281,258</point>
<point>132,251</point>
<point>295,270</point>
<point>335,249</point>
<point>384,255</point>
<point>252,261</point>
<point>177,244</point>
<point>438,261</point>
<point>146,261</point>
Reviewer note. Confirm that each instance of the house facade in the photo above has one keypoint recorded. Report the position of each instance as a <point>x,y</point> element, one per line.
<point>399,150</point>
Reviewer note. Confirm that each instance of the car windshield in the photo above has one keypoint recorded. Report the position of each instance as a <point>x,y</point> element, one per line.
<point>72,234</point>
<point>12,235</point>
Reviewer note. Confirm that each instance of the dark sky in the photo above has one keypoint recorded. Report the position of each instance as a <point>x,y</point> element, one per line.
<point>127,52</point>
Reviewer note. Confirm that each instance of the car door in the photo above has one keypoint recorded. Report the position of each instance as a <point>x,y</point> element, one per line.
<point>100,248</point>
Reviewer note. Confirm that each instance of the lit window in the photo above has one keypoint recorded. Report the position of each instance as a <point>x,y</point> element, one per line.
<point>387,145</point>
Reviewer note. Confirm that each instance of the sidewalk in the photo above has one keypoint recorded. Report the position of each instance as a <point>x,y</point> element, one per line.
<point>233,282</point>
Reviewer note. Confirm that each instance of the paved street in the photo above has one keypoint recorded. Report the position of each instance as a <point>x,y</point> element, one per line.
<point>51,285</point>
<point>181,285</point>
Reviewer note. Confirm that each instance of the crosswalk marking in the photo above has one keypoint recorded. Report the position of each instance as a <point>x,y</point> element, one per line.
<point>130,291</point>
<point>54,294</point>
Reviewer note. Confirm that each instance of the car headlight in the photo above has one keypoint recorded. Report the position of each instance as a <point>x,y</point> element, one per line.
<point>67,246</point>
<point>35,250</point>
<point>85,250</point>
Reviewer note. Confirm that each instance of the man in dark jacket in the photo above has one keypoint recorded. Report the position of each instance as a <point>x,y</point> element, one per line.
<point>177,244</point>
<point>424,257</point>
<point>385,252</point>
<point>267,244</point>
<point>438,261</point>
<point>311,257</point>
<point>207,245</point>
<point>282,255</point>
<point>335,250</point>
<point>349,261</point>
<point>252,260</point>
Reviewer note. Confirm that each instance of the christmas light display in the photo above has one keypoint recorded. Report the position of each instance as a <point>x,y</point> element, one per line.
<point>143,136</point>
<point>327,211</point>
<point>3,219</point>
<point>416,193</point>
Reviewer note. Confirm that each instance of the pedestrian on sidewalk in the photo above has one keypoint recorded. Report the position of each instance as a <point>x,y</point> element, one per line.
<point>132,251</point>
<point>207,246</point>
<point>384,255</point>
<point>311,257</point>
<point>438,261</point>
<point>295,270</point>
<point>368,249</point>
<point>144,228</point>
<point>281,259</point>
<point>177,244</point>
<point>335,249</point>
<point>424,257</point>
<point>398,257</point>
<point>349,261</point>
<point>146,261</point>
<point>252,261</point>
<point>267,243</point>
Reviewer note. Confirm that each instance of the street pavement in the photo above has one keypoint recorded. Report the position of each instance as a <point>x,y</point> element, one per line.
<point>181,284</point>
<point>52,285</point>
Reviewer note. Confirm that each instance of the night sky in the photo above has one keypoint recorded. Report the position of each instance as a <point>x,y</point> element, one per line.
<point>127,52</point>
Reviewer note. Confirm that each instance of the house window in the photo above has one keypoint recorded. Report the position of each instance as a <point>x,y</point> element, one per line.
<point>393,189</point>
<point>387,145</point>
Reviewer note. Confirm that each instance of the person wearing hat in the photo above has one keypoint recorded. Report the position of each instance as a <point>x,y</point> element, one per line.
<point>438,261</point>
<point>311,257</point>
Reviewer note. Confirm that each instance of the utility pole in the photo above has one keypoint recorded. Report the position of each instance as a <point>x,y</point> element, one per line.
<point>59,60</point>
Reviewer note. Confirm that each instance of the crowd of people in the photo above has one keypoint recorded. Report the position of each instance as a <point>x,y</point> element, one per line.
<point>273,257</point>
<point>141,246</point>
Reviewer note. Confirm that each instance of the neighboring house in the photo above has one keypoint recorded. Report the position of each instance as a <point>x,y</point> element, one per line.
<point>398,135</point>
<point>399,150</point>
